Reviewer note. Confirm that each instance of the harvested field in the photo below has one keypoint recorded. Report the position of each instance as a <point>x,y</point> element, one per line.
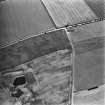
<point>70,12</point>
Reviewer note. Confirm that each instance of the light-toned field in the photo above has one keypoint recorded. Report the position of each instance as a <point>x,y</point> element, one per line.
<point>52,81</point>
<point>70,12</point>
<point>92,97</point>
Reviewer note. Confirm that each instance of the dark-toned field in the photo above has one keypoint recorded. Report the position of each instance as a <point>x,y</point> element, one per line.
<point>97,6</point>
<point>20,19</point>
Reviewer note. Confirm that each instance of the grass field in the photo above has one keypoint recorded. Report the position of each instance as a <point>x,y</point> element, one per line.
<point>52,81</point>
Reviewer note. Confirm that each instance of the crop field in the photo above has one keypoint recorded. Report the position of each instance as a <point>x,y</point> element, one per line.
<point>50,52</point>
<point>92,97</point>
<point>68,12</point>
<point>22,19</point>
<point>89,44</point>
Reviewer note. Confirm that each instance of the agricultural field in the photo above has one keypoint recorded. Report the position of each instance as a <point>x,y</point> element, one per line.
<point>22,19</point>
<point>49,80</point>
<point>68,12</point>
<point>97,6</point>
<point>92,97</point>
<point>48,75</point>
<point>52,52</point>
<point>89,43</point>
